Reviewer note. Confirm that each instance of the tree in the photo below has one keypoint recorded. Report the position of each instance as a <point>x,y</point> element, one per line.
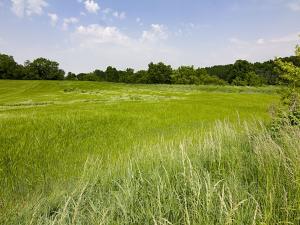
<point>9,69</point>
<point>43,69</point>
<point>290,74</point>
<point>248,79</point>
<point>266,71</point>
<point>127,76</point>
<point>159,73</point>
<point>221,71</point>
<point>185,75</point>
<point>253,79</point>
<point>141,77</point>
<point>100,74</point>
<point>206,79</point>
<point>112,74</point>
<point>88,77</point>
<point>71,76</point>
<point>238,72</point>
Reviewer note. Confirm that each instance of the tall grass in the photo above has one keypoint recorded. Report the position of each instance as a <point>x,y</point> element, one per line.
<point>230,176</point>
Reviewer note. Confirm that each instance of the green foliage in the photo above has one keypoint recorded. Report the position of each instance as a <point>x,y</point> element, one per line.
<point>239,69</point>
<point>241,73</point>
<point>206,79</point>
<point>248,79</point>
<point>188,75</point>
<point>126,76</point>
<point>112,74</point>
<point>297,51</point>
<point>101,75</point>
<point>9,69</point>
<point>185,75</point>
<point>159,73</point>
<point>141,77</point>
<point>289,73</point>
<point>43,69</point>
<point>289,112</point>
<point>71,76</point>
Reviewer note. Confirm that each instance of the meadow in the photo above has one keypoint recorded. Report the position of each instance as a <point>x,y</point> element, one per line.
<point>104,153</point>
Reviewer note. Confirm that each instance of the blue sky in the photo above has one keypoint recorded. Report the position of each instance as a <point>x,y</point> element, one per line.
<point>83,35</point>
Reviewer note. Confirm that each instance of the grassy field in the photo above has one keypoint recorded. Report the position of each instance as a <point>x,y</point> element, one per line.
<point>102,153</point>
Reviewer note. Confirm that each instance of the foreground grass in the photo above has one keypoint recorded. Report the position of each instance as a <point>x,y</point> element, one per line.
<point>229,176</point>
<point>49,129</point>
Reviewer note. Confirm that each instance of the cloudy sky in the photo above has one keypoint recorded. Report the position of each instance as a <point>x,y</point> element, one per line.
<point>87,34</point>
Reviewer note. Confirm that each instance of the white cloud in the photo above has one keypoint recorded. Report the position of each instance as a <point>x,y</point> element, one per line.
<point>91,6</point>
<point>258,50</point>
<point>139,21</point>
<point>106,11</point>
<point>108,45</point>
<point>289,38</point>
<point>119,15</point>
<point>53,19</point>
<point>35,6</point>
<point>188,29</point>
<point>18,7</point>
<point>156,33</point>
<point>96,34</point>
<point>28,7</point>
<point>68,21</point>
<point>98,46</point>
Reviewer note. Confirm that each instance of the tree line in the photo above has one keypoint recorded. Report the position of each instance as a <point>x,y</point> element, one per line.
<point>241,73</point>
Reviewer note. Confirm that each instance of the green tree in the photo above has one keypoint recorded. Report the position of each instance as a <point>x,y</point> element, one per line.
<point>290,74</point>
<point>71,76</point>
<point>100,75</point>
<point>141,77</point>
<point>206,79</point>
<point>239,69</point>
<point>248,79</point>
<point>185,75</point>
<point>159,73</point>
<point>9,69</point>
<point>127,76</point>
<point>88,77</point>
<point>43,69</point>
<point>112,74</point>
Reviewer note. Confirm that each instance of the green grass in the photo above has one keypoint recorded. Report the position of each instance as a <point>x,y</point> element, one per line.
<point>154,155</point>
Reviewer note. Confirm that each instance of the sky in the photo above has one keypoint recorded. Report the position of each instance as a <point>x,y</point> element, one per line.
<point>84,35</point>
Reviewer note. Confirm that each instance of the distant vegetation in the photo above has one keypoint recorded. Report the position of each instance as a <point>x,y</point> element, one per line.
<point>241,73</point>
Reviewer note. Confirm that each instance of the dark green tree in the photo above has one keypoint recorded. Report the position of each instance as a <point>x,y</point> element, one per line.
<point>141,77</point>
<point>71,76</point>
<point>9,69</point>
<point>43,69</point>
<point>112,74</point>
<point>127,76</point>
<point>185,75</point>
<point>100,75</point>
<point>206,79</point>
<point>159,73</point>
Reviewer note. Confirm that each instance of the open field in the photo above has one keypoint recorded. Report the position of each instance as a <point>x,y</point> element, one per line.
<point>102,153</point>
